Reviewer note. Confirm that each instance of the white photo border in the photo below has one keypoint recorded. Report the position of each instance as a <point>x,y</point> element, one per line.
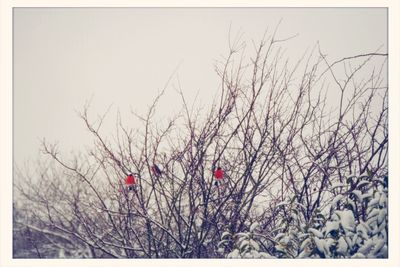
<point>6,138</point>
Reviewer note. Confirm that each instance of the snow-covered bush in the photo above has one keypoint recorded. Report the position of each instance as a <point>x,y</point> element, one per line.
<point>245,245</point>
<point>286,235</point>
<point>354,225</point>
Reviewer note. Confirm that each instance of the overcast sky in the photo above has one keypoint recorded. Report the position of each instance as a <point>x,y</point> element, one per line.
<point>124,56</point>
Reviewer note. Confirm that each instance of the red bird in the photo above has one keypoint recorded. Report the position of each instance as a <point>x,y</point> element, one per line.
<point>130,181</point>
<point>219,174</point>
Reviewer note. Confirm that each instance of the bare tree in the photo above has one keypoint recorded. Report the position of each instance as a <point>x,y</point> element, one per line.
<point>274,128</point>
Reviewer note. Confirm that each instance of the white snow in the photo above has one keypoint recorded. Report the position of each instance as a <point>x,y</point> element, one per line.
<point>342,246</point>
<point>320,244</point>
<point>315,232</point>
<point>330,226</point>
<point>254,244</point>
<point>254,226</point>
<point>347,220</point>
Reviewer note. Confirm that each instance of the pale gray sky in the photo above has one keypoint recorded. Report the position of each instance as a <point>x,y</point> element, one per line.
<point>124,56</point>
